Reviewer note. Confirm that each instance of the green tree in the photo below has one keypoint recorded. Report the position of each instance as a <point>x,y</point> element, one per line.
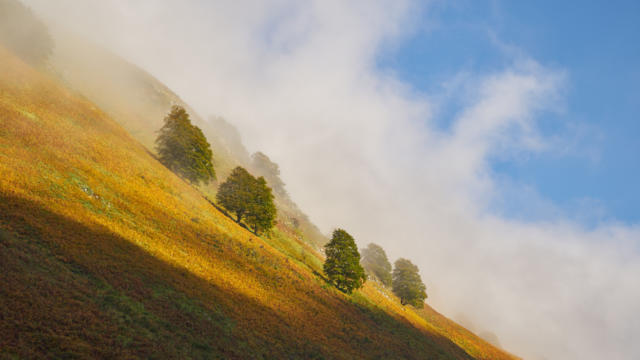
<point>183,148</point>
<point>375,261</point>
<point>249,199</point>
<point>342,265</point>
<point>262,211</point>
<point>234,194</point>
<point>407,284</point>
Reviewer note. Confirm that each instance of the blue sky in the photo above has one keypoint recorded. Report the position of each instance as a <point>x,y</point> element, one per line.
<point>596,44</point>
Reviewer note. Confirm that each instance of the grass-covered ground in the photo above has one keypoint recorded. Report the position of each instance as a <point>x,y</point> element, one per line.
<point>106,254</point>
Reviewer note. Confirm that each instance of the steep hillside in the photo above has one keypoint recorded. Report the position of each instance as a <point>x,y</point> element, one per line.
<point>139,102</point>
<point>105,253</point>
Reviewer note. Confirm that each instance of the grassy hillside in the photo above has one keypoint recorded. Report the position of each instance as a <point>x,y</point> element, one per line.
<point>139,102</point>
<point>105,253</point>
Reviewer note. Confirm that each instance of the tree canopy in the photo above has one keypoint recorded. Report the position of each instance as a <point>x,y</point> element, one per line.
<point>183,148</point>
<point>249,199</point>
<point>342,265</point>
<point>262,211</point>
<point>375,261</point>
<point>407,284</point>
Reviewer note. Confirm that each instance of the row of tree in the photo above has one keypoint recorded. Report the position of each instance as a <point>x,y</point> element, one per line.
<point>183,148</point>
<point>346,269</point>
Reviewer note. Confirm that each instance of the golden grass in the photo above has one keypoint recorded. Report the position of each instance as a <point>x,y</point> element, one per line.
<point>128,250</point>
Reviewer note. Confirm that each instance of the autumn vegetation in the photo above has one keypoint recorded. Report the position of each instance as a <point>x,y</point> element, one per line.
<point>106,252</point>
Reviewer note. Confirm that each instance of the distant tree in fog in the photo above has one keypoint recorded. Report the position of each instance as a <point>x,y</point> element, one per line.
<point>375,261</point>
<point>23,33</point>
<point>263,165</point>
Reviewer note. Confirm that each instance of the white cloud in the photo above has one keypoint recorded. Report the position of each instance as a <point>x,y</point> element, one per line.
<point>358,149</point>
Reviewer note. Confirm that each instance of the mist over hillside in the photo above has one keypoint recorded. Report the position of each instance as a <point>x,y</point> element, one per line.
<point>106,252</point>
<point>357,147</point>
<point>140,102</point>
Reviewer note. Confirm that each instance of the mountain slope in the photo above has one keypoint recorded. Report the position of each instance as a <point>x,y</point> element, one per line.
<point>139,102</point>
<point>105,253</point>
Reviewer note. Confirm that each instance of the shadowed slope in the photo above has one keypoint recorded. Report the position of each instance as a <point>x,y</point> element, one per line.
<point>107,253</point>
